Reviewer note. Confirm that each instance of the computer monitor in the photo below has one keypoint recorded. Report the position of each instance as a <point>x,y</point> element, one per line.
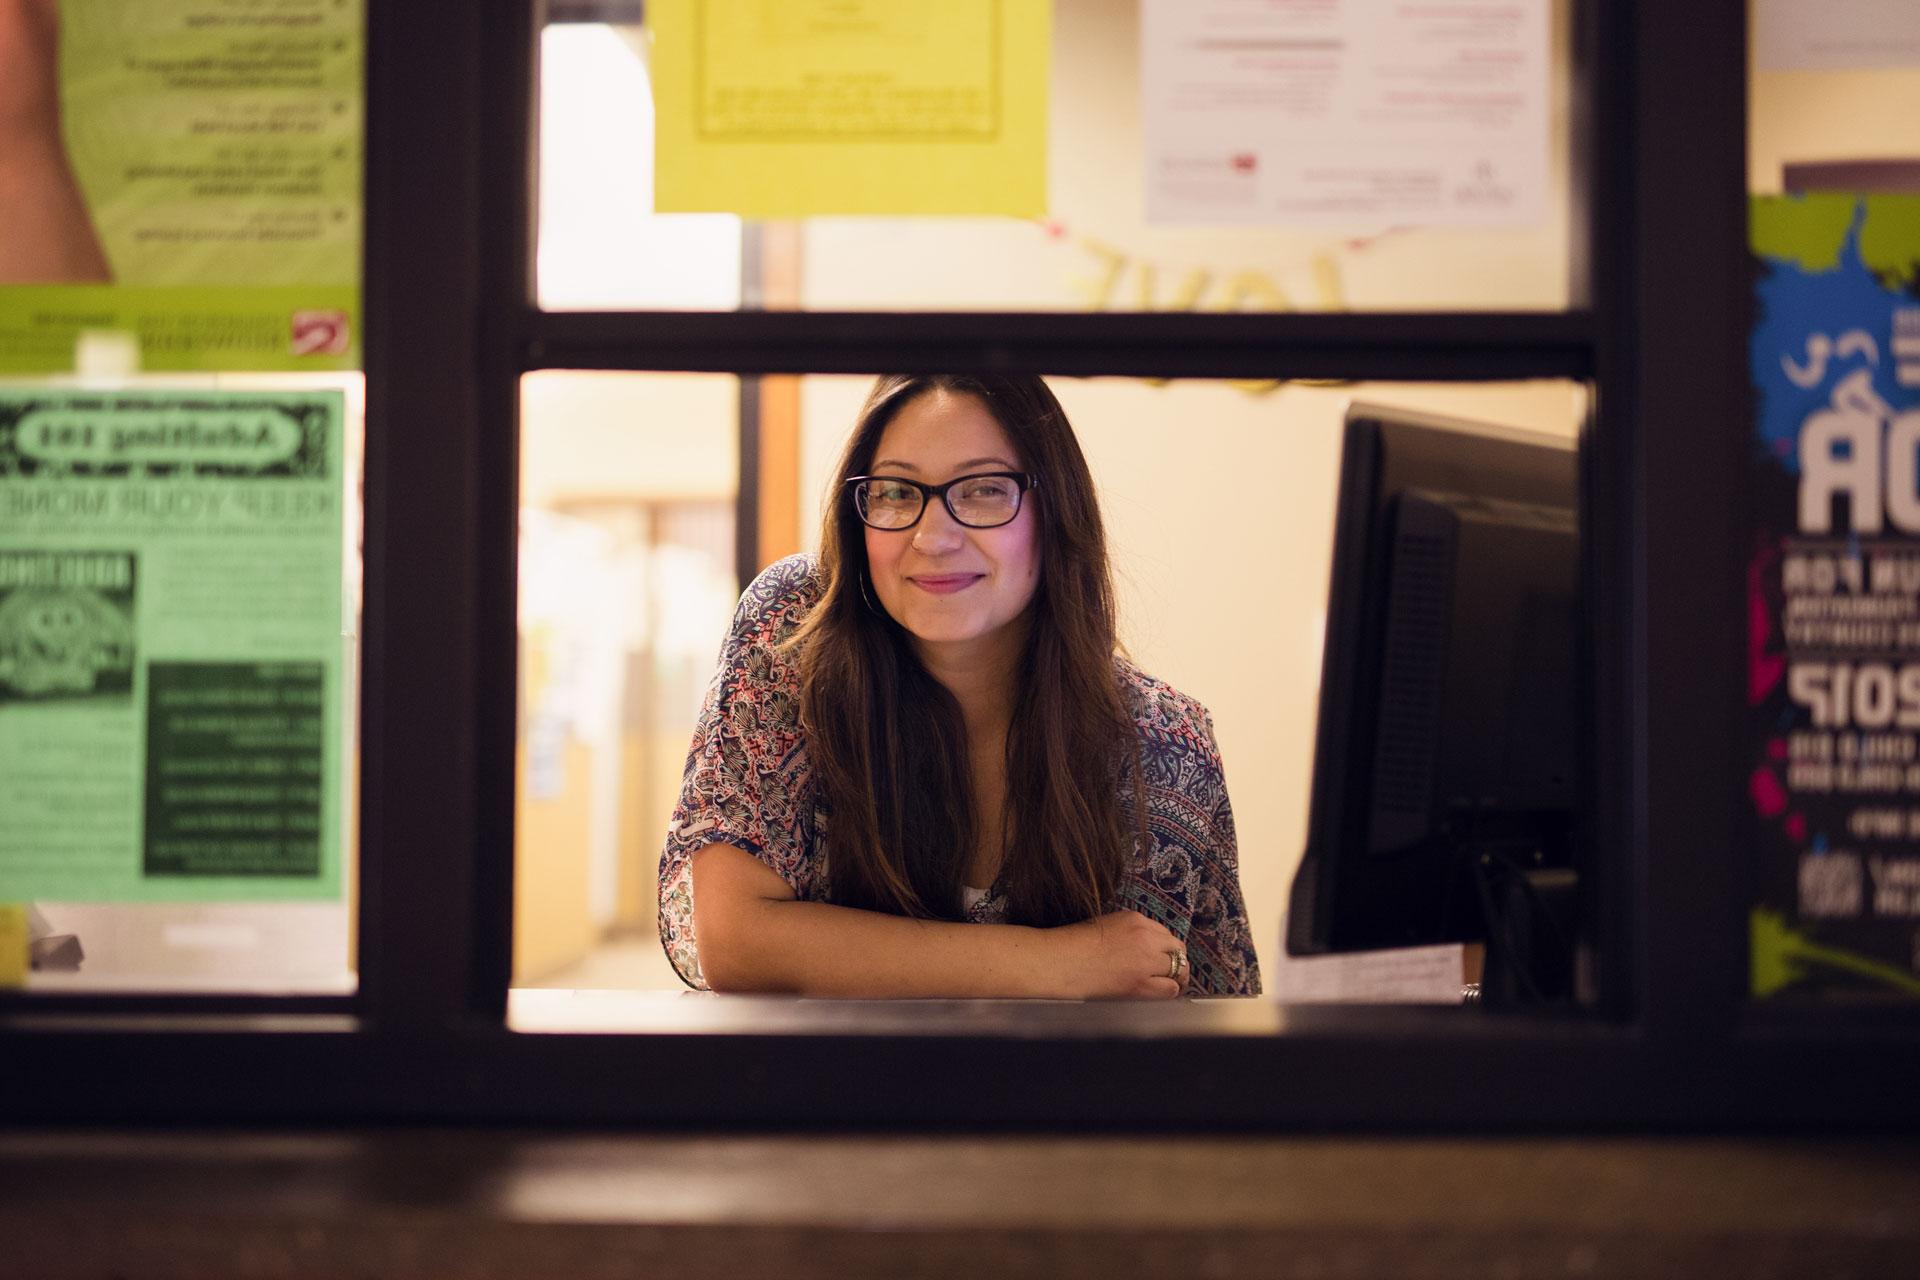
<point>1443,798</point>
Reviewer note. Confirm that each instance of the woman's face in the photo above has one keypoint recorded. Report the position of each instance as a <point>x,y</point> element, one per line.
<point>958,591</point>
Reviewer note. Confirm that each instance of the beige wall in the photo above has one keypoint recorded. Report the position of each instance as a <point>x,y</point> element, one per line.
<point>1829,115</point>
<point>553,920</point>
<point>595,435</point>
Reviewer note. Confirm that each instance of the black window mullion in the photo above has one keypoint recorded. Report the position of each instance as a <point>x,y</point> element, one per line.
<point>1675,401</point>
<point>1357,346</point>
<point>423,627</point>
<point>509,197</point>
<point>1603,176</point>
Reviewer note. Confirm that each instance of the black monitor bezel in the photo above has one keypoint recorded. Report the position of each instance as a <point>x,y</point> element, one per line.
<point>1385,451</point>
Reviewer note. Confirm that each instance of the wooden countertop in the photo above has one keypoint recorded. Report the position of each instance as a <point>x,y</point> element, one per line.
<point>476,1204</point>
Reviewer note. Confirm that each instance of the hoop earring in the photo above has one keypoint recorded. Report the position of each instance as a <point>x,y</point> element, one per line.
<point>866,596</point>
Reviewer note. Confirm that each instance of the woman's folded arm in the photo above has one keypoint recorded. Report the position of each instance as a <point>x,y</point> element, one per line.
<point>755,936</point>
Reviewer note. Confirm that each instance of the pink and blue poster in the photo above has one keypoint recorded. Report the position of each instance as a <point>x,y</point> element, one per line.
<point>1833,591</point>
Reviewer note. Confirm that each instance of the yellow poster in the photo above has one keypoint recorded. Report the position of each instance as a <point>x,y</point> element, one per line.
<point>13,946</point>
<point>790,108</point>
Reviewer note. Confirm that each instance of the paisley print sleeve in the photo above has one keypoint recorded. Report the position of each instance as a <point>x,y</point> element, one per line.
<point>747,782</point>
<point>1189,875</point>
<point>1219,941</point>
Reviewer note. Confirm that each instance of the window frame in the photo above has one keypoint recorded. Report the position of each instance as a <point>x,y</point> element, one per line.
<point>1658,328</point>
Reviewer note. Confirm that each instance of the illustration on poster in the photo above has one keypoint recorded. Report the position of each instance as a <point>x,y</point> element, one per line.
<point>61,641</point>
<point>1821,348</point>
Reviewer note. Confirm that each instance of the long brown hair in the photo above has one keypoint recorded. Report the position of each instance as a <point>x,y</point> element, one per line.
<point>888,742</point>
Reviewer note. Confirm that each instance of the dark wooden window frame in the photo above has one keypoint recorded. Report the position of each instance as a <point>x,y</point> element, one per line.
<point>1658,329</point>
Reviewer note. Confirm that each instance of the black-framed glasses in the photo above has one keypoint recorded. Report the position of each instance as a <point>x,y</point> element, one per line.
<point>982,501</point>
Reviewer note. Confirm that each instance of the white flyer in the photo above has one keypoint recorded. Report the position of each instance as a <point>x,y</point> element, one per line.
<point>1836,35</point>
<point>1356,114</point>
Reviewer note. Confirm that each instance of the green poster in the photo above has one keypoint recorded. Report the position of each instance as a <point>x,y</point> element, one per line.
<point>185,173</point>
<point>172,664</point>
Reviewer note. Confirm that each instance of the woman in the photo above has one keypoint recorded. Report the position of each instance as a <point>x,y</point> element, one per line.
<point>922,770</point>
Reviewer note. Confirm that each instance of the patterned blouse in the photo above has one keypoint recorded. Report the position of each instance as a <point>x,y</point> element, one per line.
<point>748,783</point>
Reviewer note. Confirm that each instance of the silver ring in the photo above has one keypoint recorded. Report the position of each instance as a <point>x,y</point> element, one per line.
<point>1176,961</point>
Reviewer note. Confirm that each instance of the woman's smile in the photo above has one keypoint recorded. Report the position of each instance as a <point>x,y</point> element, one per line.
<point>944,584</point>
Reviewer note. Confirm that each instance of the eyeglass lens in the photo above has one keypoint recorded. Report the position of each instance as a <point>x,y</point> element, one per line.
<point>979,501</point>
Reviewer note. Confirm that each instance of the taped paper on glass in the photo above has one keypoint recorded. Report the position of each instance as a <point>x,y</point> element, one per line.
<point>1837,35</point>
<point>794,108</point>
<point>1359,115</point>
<point>184,185</point>
<point>172,664</point>
<point>1832,640</point>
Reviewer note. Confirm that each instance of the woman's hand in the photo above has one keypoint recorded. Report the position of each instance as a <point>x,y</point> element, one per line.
<point>1121,955</point>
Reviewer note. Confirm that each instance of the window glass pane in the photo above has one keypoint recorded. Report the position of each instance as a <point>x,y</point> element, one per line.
<point>181,421</point>
<point>1225,600</point>
<point>627,580</point>
<point>602,247</point>
<point>246,606</point>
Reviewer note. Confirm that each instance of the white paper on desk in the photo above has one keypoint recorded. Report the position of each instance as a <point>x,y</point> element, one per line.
<point>1357,114</point>
<point>1835,35</point>
<point>1405,975</point>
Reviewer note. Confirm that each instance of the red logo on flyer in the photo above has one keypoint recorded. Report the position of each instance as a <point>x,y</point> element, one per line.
<point>1244,162</point>
<point>320,333</point>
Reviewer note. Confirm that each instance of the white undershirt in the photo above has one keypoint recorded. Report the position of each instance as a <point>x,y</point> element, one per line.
<point>970,896</point>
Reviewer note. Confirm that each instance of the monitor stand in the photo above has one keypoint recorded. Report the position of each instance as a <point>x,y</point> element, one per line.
<point>1530,917</point>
